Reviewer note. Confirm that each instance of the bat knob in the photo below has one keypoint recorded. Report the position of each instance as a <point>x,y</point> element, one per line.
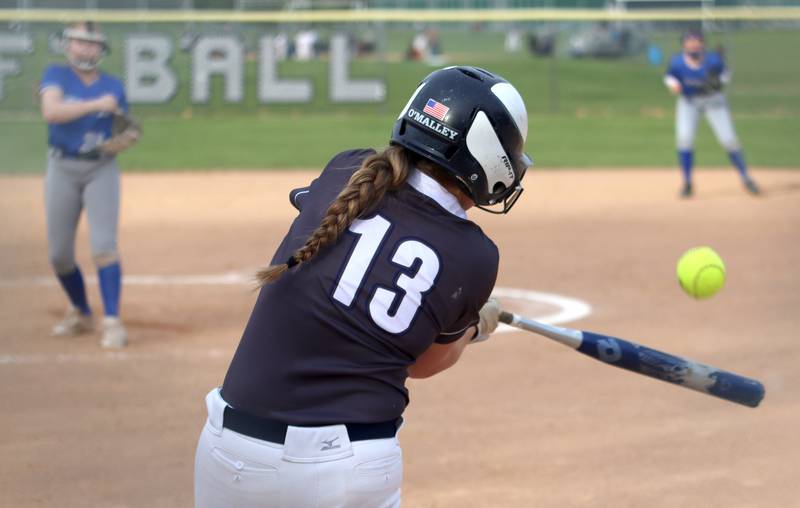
<point>506,317</point>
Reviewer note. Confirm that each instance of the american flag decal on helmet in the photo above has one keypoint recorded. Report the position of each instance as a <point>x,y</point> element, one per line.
<point>435,109</point>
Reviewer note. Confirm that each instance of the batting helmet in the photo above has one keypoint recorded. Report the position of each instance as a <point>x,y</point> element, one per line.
<point>473,124</point>
<point>87,31</point>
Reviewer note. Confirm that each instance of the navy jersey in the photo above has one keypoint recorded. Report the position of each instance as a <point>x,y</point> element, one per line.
<point>86,133</point>
<point>692,79</point>
<point>331,340</point>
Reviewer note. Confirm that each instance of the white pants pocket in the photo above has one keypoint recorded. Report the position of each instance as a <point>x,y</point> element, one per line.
<point>251,476</point>
<point>227,475</point>
<point>376,481</point>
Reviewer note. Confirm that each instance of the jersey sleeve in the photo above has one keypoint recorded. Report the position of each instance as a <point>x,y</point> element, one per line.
<point>297,197</point>
<point>673,68</point>
<point>324,189</point>
<point>50,79</point>
<point>479,293</point>
<point>313,201</point>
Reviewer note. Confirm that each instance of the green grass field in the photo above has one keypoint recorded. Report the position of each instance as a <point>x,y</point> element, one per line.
<point>583,113</point>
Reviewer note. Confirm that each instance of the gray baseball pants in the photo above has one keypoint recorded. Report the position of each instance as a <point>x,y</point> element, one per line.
<point>716,110</point>
<point>71,185</point>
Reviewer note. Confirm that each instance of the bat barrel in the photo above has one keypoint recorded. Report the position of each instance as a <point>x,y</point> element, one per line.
<point>736,388</point>
<point>673,369</point>
<point>649,362</point>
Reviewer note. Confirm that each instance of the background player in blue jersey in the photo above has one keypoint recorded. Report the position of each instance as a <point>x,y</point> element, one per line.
<point>78,101</point>
<point>697,76</point>
<point>380,277</point>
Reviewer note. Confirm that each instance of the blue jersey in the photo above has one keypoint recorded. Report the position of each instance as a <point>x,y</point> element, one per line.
<point>87,132</point>
<point>691,79</point>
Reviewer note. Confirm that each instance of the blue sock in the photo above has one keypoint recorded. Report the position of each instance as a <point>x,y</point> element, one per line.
<point>686,158</point>
<point>737,159</point>
<point>76,291</point>
<point>110,278</point>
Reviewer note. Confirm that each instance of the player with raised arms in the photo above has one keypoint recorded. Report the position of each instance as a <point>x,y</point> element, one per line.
<point>381,277</point>
<point>79,104</point>
<point>697,76</point>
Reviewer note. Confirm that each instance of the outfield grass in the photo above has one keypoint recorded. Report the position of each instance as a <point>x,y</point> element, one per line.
<point>269,142</point>
<point>583,113</point>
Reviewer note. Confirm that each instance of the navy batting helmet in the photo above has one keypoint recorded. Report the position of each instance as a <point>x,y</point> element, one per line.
<point>473,124</point>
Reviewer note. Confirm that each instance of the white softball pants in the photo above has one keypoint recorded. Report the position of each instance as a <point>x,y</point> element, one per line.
<point>234,470</point>
<point>716,110</point>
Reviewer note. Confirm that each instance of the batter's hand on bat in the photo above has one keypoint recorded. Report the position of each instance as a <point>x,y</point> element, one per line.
<point>489,317</point>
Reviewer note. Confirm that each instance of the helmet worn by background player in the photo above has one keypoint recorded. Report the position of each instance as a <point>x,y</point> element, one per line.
<point>87,31</point>
<point>692,33</point>
<point>473,124</point>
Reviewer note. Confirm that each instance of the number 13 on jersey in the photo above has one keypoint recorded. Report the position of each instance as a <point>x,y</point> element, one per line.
<point>391,308</point>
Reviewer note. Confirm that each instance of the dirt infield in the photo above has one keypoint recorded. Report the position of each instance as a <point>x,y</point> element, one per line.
<point>519,422</point>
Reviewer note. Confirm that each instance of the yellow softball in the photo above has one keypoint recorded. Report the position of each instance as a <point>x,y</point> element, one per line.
<point>701,272</point>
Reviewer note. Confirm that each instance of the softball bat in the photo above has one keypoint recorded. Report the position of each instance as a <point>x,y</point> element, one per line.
<point>649,362</point>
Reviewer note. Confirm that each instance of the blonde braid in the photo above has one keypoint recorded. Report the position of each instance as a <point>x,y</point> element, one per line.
<point>379,173</point>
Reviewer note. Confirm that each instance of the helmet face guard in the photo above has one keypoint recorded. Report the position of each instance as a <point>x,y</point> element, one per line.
<point>88,33</point>
<point>511,197</point>
<point>473,124</point>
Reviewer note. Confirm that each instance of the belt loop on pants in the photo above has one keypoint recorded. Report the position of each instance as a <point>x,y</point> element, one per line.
<point>273,431</point>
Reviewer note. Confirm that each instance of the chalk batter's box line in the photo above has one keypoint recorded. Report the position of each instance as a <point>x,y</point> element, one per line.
<point>568,309</point>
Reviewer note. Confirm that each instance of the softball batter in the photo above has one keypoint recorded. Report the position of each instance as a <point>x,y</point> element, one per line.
<point>77,102</point>
<point>380,277</point>
<point>697,76</point>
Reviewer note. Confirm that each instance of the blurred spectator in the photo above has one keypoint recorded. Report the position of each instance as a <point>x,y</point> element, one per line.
<point>426,47</point>
<point>434,47</point>
<point>305,44</point>
<point>513,42</point>
<point>603,41</point>
<point>364,45</point>
<point>281,46</point>
<point>541,44</point>
<point>418,50</point>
